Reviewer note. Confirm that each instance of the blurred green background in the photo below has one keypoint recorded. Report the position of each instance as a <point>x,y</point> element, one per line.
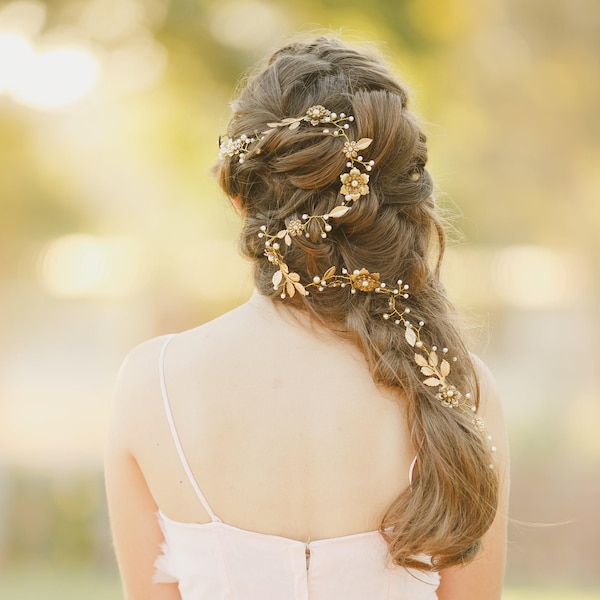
<point>110,224</point>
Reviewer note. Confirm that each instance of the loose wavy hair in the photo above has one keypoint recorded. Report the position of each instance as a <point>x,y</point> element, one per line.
<point>396,231</point>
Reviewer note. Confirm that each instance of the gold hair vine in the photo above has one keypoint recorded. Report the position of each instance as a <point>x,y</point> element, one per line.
<point>434,366</point>
<point>355,183</point>
<point>436,369</point>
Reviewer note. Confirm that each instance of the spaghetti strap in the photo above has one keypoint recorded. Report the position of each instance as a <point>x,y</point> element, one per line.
<point>170,420</point>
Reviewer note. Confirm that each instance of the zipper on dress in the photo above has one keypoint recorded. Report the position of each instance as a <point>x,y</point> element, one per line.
<point>307,552</point>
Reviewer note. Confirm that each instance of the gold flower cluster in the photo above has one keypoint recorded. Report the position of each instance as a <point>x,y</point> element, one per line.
<point>354,183</point>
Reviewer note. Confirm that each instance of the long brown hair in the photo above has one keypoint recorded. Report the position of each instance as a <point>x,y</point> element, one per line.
<point>395,231</point>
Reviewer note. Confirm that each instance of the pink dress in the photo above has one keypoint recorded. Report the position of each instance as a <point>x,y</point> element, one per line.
<point>217,561</point>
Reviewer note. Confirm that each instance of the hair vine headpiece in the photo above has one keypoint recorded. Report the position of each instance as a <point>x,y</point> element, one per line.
<point>433,366</point>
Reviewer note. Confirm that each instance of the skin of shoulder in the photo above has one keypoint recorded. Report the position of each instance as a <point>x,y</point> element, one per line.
<point>137,535</point>
<point>482,579</point>
<point>132,509</point>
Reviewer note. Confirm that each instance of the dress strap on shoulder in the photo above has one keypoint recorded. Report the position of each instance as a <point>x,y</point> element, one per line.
<point>176,441</point>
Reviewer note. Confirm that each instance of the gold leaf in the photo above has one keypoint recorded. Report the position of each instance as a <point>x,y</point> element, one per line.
<point>339,211</point>
<point>288,240</point>
<point>329,273</point>
<point>427,371</point>
<point>282,233</point>
<point>432,382</point>
<point>284,267</point>
<point>300,288</point>
<point>289,120</point>
<point>445,368</point>
<point>433,358</point>
<point>410,335</point>
<point>294,276</point>
<point>277,277</point>
<point>274,125</point>
<point>420,360</point>
<point>295,125</point>
<point>291,290</point>
<point>363,143</point>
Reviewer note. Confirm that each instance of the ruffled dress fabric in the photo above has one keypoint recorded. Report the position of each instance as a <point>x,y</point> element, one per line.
<point>217,561</point>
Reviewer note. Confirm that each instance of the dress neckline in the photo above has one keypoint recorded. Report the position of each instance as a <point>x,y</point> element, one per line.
<point>249,532</point>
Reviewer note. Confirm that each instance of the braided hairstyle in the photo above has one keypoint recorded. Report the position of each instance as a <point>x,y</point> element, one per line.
<point>393,230</point>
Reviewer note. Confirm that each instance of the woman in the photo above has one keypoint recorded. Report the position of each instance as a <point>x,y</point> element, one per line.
<point>330,438</point>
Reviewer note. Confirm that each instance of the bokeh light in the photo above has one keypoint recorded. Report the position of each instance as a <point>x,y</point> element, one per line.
<point>78,265</point>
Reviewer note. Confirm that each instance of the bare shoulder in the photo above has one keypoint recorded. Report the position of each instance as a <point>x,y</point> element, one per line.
<point>139,372</point>
<point>137,403</point>
<point>136,395</point>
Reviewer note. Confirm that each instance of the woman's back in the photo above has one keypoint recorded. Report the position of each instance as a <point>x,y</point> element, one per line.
<point>272,464</point>
<point>285,418</point>
<point>276,442</point>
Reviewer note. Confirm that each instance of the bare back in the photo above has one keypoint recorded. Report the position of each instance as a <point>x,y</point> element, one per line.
<point>283,428</point>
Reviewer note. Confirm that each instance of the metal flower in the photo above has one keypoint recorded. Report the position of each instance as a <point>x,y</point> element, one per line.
<point>317,114</point>
<point>350,150</point>
<point>364,281</point>
<point>354,184</point>
<point>448,395</point>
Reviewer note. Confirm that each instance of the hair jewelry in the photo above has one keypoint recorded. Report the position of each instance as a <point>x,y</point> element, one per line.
<point>434,366</point>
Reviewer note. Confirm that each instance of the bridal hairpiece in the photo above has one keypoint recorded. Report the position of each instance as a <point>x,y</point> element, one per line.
<point>433,363</point>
